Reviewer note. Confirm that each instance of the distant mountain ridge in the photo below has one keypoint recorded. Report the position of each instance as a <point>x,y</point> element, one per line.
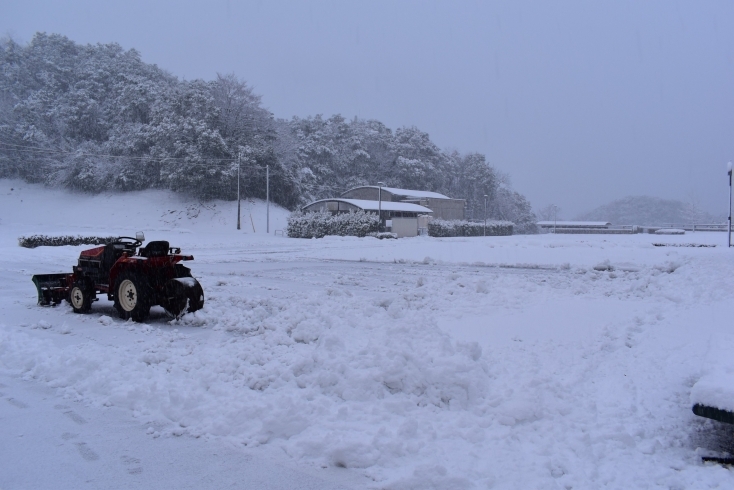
<point>649,211</point>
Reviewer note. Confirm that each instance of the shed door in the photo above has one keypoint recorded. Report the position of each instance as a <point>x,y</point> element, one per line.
<point>405,227</point>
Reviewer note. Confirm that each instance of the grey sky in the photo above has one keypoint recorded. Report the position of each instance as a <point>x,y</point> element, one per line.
<point>581,102</point>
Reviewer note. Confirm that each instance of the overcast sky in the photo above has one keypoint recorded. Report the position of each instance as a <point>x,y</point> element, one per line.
<point>580,102</point>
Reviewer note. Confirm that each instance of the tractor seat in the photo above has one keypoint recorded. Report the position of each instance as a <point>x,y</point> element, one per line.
<point>155,249</point>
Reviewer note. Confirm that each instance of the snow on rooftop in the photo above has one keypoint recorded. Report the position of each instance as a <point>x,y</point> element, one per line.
<point>374,205</point>
<point>574,224</point>
<point>406,192</point>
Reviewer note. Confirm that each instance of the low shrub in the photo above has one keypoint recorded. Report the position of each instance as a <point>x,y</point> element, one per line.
<point>442,228</point>
<point>34,241</point>
<point>318,225</point>
<point>383,234</point>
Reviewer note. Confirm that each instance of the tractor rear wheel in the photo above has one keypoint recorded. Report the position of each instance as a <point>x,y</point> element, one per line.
<point>132,296</point>
<point>81,296</point>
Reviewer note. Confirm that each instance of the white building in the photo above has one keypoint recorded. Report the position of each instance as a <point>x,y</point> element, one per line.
<point>400,218</point>
<point>443,207</point>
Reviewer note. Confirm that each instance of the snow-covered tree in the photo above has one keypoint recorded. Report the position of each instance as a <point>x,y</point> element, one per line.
<point>548,213</point>
<point>96,117</point>
<point>510,205</point>
<point>692,211</point>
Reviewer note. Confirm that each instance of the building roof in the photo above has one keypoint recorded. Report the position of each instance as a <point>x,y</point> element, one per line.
<point>575,224</point>
<point>374,205</point>
<point>404,192</point>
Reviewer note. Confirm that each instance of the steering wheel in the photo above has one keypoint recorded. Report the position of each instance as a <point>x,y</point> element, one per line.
<point>129,242</point>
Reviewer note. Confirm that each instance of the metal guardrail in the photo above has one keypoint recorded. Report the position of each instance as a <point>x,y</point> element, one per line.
<point>592,231</point>
<point>624,229</point>
<point>695,227</point>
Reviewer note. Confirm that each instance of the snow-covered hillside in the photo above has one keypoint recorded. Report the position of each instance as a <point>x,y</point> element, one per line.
<point>500,362</point>
<point>650,211</point>
<point>30,208</point>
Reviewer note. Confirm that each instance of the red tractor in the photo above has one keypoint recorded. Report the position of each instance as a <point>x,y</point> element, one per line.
<point>132,276</point>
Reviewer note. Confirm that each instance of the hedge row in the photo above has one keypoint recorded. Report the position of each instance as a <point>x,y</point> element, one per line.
<point>318,225</point>
<point>34,241</point>
<point>382,235</point>
<point>441,228</point>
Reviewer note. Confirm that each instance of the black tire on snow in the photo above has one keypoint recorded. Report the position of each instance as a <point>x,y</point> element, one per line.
<point>81,296</point>
<point>174,299</point>
<point>132,296</point>
<point>196,297</point>
<point>182,296</point>
<point>195,294</point>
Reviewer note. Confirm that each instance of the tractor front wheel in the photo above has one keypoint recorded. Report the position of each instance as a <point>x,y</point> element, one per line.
<point>132,296</point>
<point>81,296</point>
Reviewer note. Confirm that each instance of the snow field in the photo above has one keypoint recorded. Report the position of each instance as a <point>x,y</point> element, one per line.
<point>506,362</point>
<point>31,208</point>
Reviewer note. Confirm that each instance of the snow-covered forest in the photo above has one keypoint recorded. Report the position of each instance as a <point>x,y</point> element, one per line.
<point>96,117</point>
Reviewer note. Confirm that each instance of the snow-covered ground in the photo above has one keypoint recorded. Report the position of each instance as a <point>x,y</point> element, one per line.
<point>504,362</point>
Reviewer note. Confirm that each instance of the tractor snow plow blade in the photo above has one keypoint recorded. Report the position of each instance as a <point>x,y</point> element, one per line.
<point>52,288</point>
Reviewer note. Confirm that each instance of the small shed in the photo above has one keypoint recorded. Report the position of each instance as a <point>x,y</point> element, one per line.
<point>400,217</point>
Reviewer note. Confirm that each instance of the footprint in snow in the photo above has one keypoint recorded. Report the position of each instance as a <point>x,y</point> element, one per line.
<point>75,417</point>
<point>16,403</point>
<point>71,414</point>
<point>86,452</point>
<point>134,462</point>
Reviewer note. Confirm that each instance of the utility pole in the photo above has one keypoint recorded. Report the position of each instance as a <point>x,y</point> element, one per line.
<point>485,215</point>
<point>267,198</point>
<point>379,199</point>
<point>729,168</point>
<point>239,156</point>
<point>555,218</point>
